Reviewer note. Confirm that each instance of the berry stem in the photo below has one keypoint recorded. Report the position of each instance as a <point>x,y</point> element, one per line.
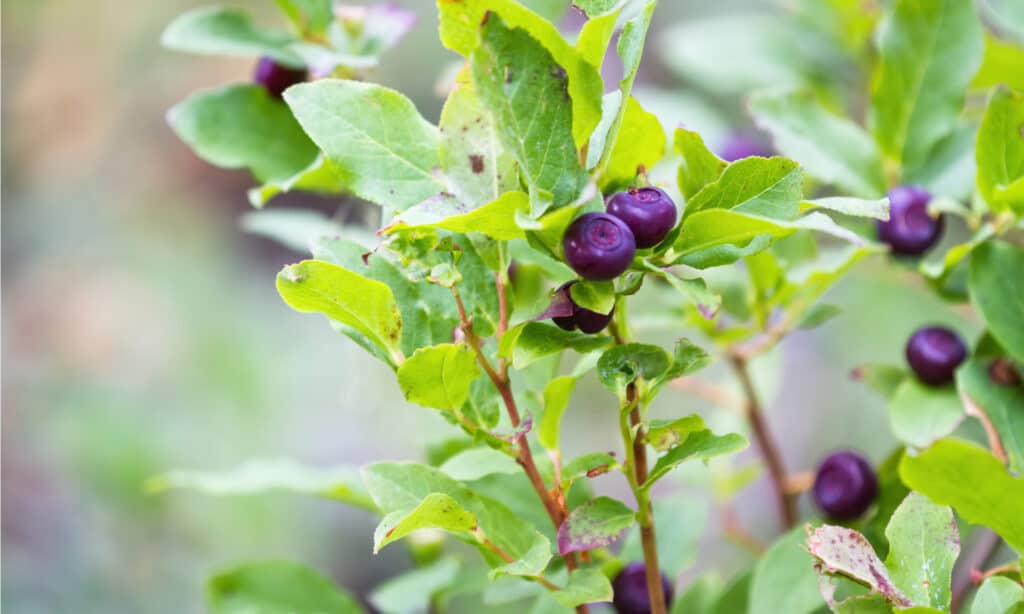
<point>524,457</point>
<point>769,450</point>
<point>994,442</point>
<point>633,440</point>
<point>983,549</point>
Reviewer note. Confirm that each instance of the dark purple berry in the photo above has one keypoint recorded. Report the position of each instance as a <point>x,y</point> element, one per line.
<point>934,353</point>
<point>630,588</point>
<point>588,321</point>
<point>649,213</point>
<point>910,229</point>
<point>845,486</point>
<point>599,246</point>
<point>276,78</point>
<point>743,145</point>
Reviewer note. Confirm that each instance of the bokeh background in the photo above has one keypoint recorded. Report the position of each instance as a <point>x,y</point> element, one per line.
<point>142,331</point>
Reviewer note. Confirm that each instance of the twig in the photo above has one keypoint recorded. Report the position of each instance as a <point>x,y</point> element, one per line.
<point>769,451</point>
<point>501,382</point>
<point>996,444</point>
<point>984,548</point>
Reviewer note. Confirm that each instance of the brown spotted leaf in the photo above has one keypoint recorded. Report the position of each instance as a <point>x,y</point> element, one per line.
<point>594,524</point>
<point>846,552</point>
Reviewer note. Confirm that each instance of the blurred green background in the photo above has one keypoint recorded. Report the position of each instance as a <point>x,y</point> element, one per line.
<point>142,331</point>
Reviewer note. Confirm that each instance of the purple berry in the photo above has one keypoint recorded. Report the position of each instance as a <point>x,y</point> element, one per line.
<point>742,145</point>
<point>588,321</point>
<point>630,588</point>
<point>934,353</point>
<point>845,486</point>
<point>910,229</point>
<point>649,213</point>
<point>599,246</point>
<point>276,78</point>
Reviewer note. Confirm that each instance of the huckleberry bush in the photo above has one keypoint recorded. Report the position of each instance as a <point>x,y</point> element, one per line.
<point>518,233</point>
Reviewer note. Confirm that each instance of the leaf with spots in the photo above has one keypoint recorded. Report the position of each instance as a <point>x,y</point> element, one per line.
<point>527,93</point>
<point>436,511</point>
<point>478,168</point>
<point>595,524</point>
<point>924,542</point>
<point>845,552</point>
<point>362,305</point>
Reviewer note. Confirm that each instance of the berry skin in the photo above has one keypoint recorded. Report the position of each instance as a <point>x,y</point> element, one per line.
<point>910,230</point>
<point>276,78</point>
<point>599,246</point>
<point>630,588</point>
<point>845,486</point>
<point>587,321</point>
<point>741,145</point>
<point>649,213</point>
<point>934,353</point>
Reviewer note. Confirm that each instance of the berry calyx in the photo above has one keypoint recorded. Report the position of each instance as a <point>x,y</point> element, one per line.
<point>911,230</point>
<point>934,353</point>
<point>845,485</point>
<point>599,246</point>
<point>649,213</point>
<point>586,320</point>
<point>630,588</point>
<point>276,78</point>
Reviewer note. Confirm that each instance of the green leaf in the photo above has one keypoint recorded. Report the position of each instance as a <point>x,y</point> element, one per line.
<point>701,445</point>
<point>596,33</point>
<point>699,596</point>
<point>831,148</point>
<point>276,587</point>
<point>998,595</point>
<point>587,465</point>
<point>366,306</point>
<point>439,376</point>
<point>381,147</point>
<point>929,51</point>
<point>226,31</point>
<point>242,126</point>
<point>721,236</point>
<point>699,167</point>
<point>475,463</point>
<point>997,290</point>
<point>695,290</point>
<point>1000,151</point>
<point>1002,405</point>
<point>857,207</point>
<point>846,552</point>
<point>478,168</point>
<point>414,590</point>
<point>596,296</point>
<point>320,177</point>
<point>735,596</point>
<point>496,219</point>
<point>784,579</point>
<point>1000,65</point>
<point>923,545</point>
<point>428,310</point>
<point>531,341</point>
<point>585,586</point>
<point>666,434</point>
<point>556,401</point>
<point>641,144</point>
<point>528,93</point>
<point>398,487</point>
<point>883,379</point>
<point>263,476</point>
<point>921,414</point>
<point>769,187</point>
<point>817,315</point>
<point>891,493</point>
<point>624,364</point>
<point>461,32</point>
<point>307,16</point>
<point>973,482</point>
<point>595,524</point>
<point>436,511</point>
